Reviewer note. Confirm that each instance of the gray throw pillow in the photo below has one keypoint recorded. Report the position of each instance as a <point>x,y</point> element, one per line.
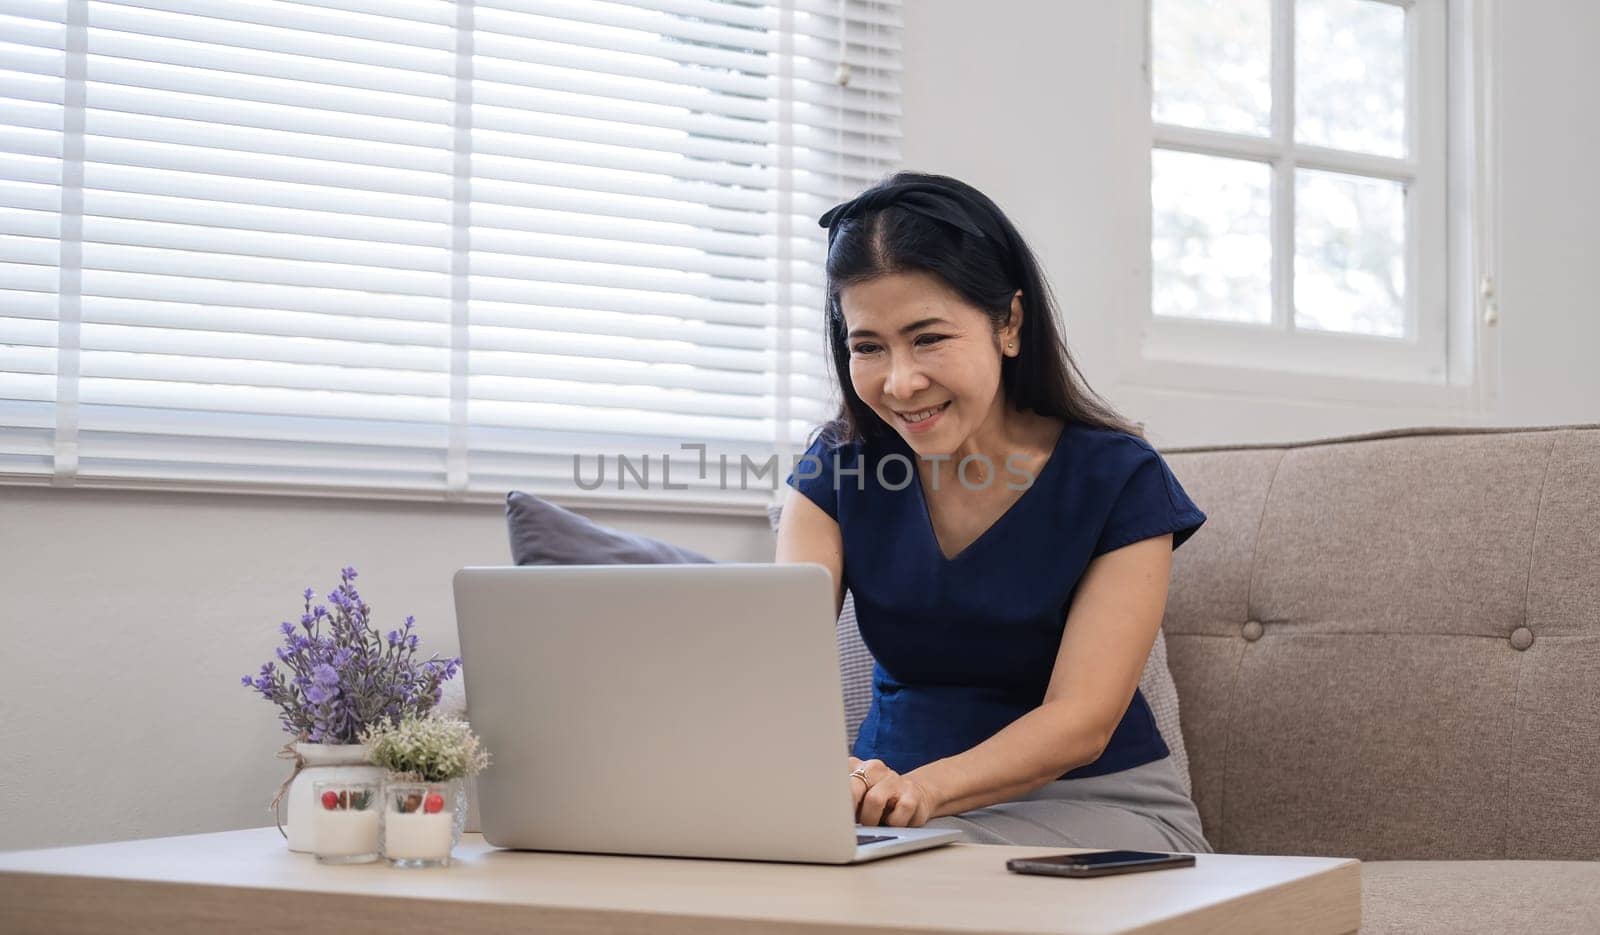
<point>1161,693</point>
<point>545,534</point>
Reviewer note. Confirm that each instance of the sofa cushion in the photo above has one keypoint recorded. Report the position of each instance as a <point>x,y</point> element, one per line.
<point>1386,645</point>
<point>1480,897</point>
<point>1161,694</point>
<point>545,534</point>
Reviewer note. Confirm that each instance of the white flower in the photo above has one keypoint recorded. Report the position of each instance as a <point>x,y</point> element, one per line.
<point>432,748</point>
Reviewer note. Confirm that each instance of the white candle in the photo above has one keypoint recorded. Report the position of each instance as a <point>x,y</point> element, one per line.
<point>346,832</point>
<point>418,835</point>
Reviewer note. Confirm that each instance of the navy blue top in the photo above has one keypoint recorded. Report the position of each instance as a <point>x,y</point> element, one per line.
<point>966,645</point>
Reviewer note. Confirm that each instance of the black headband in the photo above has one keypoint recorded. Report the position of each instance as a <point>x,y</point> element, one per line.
<point>926,198</point>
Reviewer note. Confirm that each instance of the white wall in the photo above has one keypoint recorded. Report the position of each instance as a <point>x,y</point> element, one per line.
<point>128,618</point>
<point>1551,206</point>
<point>1030,102</point>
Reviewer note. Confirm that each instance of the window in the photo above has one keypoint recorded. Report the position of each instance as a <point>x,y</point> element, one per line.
<point>417,248</point>
<point>1301,174</point>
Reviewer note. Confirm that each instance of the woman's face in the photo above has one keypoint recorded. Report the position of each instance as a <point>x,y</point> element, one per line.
<point>915,345</point>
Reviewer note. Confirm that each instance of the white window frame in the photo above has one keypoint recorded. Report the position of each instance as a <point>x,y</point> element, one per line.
<point>1449,359</point>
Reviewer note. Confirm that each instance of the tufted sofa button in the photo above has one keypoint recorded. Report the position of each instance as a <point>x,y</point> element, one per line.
<point>1252,630</point>
<point>1521,638</point>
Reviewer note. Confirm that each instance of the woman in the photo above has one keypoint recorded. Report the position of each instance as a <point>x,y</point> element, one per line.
<point>1007,537</point>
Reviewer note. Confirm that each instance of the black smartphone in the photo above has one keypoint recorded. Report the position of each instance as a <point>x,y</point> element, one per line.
<point>1098,863</point>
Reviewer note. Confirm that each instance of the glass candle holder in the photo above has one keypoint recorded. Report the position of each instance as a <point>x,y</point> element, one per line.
<point>345,825</point>
<point>421,822</point>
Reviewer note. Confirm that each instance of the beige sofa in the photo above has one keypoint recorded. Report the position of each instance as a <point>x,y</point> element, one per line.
<point>1388,647</point>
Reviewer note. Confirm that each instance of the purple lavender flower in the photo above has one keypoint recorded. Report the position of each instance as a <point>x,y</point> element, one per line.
<point>342,674</point>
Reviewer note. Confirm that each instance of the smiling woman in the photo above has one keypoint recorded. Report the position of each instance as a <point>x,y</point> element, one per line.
<point>1006,535</point>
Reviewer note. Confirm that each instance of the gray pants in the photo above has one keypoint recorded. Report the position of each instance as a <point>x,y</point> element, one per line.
<point>1143,808</point>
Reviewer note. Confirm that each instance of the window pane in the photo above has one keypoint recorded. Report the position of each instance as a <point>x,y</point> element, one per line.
<point>1350,254</point>
<point>1211,64</point>
<point>1350,75</point>
<point>1211,242</point>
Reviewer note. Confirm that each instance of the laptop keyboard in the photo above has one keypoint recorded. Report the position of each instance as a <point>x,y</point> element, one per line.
<point>872,838</point>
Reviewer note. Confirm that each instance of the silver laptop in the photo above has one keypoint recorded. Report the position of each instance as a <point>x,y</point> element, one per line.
<point>672,710</point>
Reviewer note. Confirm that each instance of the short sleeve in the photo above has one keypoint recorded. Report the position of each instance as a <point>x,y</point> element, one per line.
<point>813,476</point>
<point>1149,503</point>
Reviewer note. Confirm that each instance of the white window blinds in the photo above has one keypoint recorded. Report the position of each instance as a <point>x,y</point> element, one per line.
<point>426,249</point>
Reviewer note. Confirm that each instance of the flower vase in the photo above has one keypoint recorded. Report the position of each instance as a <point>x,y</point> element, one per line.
<point>322,762</point>
<point>422,821</point>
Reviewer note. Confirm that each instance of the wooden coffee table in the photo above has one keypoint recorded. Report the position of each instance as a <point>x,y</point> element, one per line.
<point>246,881</point>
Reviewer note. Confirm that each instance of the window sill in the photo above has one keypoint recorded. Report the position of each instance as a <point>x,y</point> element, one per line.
<point>1285,384</point>
<point>752,505</point>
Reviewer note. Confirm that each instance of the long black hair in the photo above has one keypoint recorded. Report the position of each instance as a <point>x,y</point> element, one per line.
<point>986,272</point>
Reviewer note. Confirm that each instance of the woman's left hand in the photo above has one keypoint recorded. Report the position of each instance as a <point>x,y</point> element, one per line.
<point>893,800</point>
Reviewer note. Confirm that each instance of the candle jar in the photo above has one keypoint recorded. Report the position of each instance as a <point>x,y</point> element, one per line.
<point>422,821</point>
<point>345,825</point>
